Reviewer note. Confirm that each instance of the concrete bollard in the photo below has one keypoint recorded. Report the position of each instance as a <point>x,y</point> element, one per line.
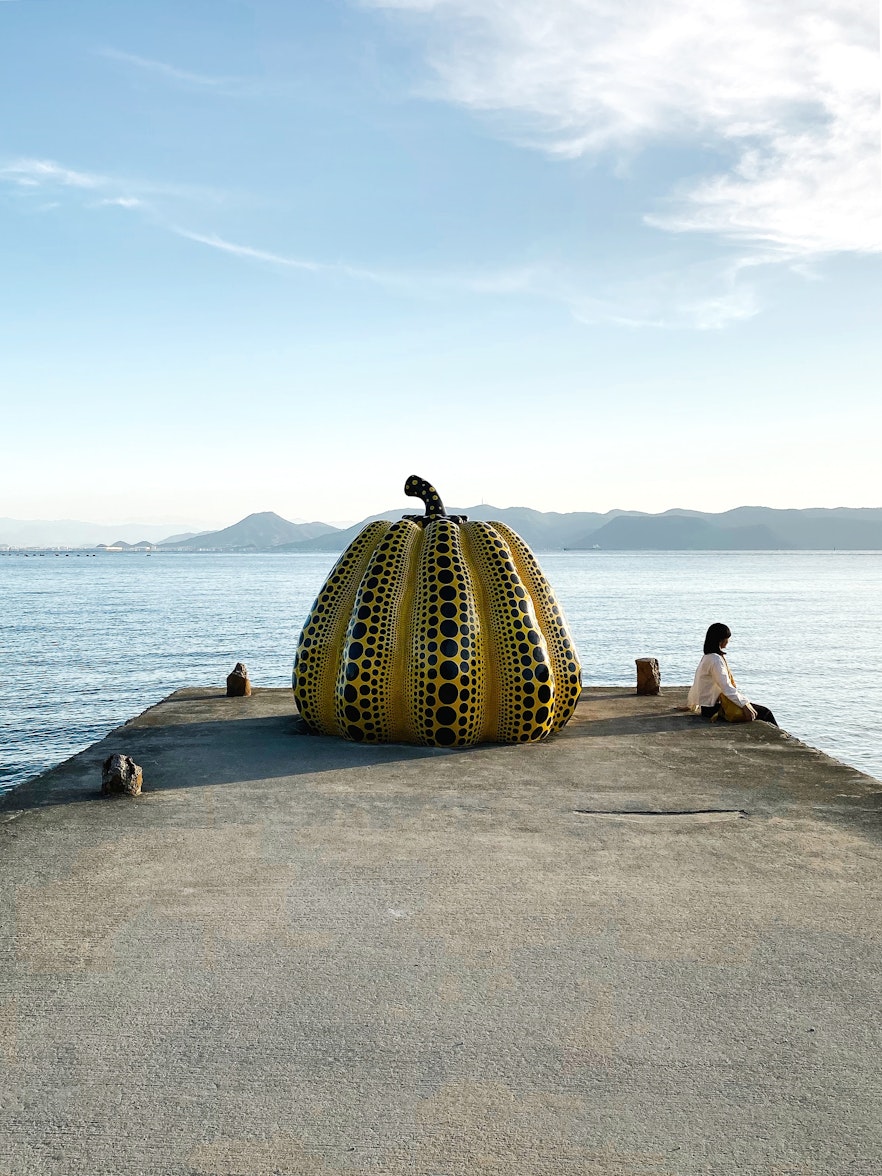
<point>120,774</point>
<point>238,682</point>
<point>648,675</point>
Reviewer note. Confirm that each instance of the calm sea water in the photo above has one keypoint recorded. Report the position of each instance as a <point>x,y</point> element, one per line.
<point>88,642</point>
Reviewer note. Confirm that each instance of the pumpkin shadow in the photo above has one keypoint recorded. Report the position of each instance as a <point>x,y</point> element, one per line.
<point>181,756</point>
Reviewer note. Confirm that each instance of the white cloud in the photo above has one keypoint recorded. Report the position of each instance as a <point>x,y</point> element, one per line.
<point>252,254</point>
<point>413,282</point>
<point>788,89</point>
<point>165,70</point>
<point>704,296</point>
<point>35,173</point>
<point>122,202</point>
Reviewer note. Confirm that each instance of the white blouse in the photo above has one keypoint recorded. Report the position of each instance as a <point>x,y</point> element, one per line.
<point>712,678</point>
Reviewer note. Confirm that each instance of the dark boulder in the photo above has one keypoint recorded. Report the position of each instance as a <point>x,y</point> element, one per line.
<point>120,774</point>
<point>238,682</point>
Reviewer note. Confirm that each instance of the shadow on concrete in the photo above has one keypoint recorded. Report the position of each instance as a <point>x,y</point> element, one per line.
<point>649,724</point>
<point>263,749</point>
<point>219,752</point>
<point>247,751</point>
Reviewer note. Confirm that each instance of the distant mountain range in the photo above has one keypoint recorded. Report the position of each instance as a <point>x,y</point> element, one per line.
<point>257,532</point>
<point>747,528</point>
<point>73,533</point>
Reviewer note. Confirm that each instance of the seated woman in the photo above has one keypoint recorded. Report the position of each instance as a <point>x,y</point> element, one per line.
<point>713,679</point>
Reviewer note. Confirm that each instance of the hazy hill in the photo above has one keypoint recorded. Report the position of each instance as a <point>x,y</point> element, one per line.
<point>747,528</point>
<point>255,532</point>
<point>846,528</point>
<point>74,533</point>
<point>742,529</point>
<point>544,531</point>
<point>681,533</point>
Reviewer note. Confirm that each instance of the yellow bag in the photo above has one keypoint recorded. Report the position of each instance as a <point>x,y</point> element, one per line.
<point>731,711</point>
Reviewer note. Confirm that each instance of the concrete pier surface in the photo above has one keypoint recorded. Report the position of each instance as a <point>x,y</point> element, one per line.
<point>648,947</point>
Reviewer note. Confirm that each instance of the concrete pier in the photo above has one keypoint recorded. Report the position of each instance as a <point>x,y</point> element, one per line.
<point>648,947</point>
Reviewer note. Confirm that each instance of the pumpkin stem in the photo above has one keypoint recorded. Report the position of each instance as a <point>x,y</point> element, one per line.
<point>416,487</point>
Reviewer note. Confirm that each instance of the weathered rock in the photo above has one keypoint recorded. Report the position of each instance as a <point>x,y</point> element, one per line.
<point>120,773</point>
<point>238,683</point>
<point>648,675</point>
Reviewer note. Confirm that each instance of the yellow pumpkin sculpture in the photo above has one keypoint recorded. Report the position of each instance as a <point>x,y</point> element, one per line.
<point>438,631</point>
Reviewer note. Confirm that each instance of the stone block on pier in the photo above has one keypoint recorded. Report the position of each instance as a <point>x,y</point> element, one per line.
<point>648,675</point>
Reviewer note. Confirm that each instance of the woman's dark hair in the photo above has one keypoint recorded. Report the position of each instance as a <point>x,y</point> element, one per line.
<point>715,634</point>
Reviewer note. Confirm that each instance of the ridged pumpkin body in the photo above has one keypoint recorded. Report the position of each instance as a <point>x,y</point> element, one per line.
<point>442,633</point>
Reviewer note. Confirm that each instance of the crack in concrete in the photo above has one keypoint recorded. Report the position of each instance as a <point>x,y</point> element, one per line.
<point>740,813</point>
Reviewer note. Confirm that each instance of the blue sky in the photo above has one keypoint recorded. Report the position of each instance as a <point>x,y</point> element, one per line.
<point>576,255</point>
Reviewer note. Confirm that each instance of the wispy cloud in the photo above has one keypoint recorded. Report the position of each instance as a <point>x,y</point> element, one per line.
<point>122,202</point>
<point>788,91</point>
<point>164,69</point>
<point>708,296</point>
<point>36,173</point>
<point>123,191</point>
<point>287,262</point>
<point>427,283</point>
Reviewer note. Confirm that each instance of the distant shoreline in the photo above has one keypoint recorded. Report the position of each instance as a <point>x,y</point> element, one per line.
<point>746,528</point>
<point>91,553</point>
